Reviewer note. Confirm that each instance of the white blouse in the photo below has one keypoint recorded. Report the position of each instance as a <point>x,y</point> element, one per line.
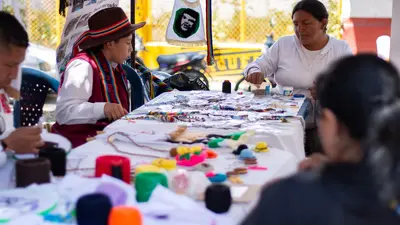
<point>294,66</point>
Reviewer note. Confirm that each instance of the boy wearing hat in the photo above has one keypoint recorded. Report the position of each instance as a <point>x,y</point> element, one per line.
<point>93,89</point>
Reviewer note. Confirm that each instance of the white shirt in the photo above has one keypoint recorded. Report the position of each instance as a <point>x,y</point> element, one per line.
<point>72,100</point>
<point>295,66</point>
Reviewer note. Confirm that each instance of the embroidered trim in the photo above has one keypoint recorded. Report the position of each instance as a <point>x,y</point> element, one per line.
<point>109,84</point>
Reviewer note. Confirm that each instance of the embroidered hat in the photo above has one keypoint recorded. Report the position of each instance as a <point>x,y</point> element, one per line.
<point>104,26</point>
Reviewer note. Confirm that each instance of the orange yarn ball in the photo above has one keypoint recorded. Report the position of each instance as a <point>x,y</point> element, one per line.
<point>124,215</point>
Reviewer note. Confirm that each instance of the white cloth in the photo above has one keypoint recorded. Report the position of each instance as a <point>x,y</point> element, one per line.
<point>186,27</point>
<point>72,100</point>
<point>6,126</point>
<point>287,60</point>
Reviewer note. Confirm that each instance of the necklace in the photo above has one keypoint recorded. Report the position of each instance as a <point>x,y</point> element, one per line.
<point>111,138</point>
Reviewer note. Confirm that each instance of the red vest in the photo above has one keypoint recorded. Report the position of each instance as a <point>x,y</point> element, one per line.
<point>78,133</point>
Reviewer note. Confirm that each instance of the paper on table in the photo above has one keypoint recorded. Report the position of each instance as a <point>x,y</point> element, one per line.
<point>238,191</point>
<point>182,210</point>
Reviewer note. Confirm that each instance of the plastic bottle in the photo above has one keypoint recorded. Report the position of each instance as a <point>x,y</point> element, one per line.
<point>263,89</point>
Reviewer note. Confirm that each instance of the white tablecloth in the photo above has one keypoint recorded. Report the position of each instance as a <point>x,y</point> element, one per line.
<point>280,163</point>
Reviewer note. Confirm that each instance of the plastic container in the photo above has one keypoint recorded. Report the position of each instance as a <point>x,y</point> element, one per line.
<point>262,89</point>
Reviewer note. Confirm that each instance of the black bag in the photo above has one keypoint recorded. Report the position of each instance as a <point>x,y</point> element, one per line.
<point>182,82</point>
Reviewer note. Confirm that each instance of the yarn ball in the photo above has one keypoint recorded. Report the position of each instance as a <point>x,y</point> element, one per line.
<point>117,195</point>
<point>246,154</point>
<point>240,149</point>
<point>218,198</point>
<point>3,159</point>
<point>145,184</point>
<point>173,152</point>
<point>180,181</point>
<point>58,159</point>
<point>218,178</point>
<point>125,215</point>
<point>93,209</point>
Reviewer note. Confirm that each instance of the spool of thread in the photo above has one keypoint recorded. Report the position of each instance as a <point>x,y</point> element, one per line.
<point>226,87</point>
<point>57,158</point>
<point>218,198</point>
<point>32,171</point>
<point>124,215</point>
<point>146,182</point>
<point>113,165</point>
<point>93,209</point>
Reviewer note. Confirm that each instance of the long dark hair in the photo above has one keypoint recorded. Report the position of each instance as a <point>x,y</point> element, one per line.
<point>355,87</point>
<point>383,145</point>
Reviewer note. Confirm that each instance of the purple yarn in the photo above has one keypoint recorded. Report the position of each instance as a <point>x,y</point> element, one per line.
<point>116,194</point>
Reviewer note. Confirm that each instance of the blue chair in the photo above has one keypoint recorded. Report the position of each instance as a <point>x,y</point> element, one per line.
<point>35,86</point>
<point>138,93</point>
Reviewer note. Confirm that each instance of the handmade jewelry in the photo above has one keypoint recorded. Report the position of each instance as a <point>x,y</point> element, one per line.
<point>110,140</point>
<point>240,170</point>
<point>235,180</point>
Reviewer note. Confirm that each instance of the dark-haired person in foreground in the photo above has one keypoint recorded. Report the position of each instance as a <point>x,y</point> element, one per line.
<point>93,89</point>
<point>13,45</point>
<point>296,60</point>
<point>383,156</point>
<point>342,191</point>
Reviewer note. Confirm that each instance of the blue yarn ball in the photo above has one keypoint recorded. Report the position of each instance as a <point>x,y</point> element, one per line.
<point>246,154</point>
<point>218,178</point>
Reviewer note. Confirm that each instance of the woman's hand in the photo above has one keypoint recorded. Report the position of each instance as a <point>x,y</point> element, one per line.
<point>255,78</point>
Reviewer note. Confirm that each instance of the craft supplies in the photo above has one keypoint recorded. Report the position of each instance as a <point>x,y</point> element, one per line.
<point>173,152</point>
<point>226,87</point>
<point>106,163</point>
<point>235,179</point>
<point>211,154</point>
<point>57,158</point>
<point>204,167</point>
<point>267,89</point>
<point>287,91</point>
<point>261,147</point>
<point>218,198</point>
<point>147,168</point>
<point>115,193</point>
<point>168,164</point>
<point>250,161</point>
<point>246,154</point>
<point>182,135</point>
<point>257,168</point>
<point>93,209</point>
<point>112,137</point>
<point>125,215</point>
<point>146,182</point>
<point>190,156</point>
<point>240,170</point>
<point>180,181</point>
<point>239,149</point>
<point>30,171</point>
<point>218,178</point>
